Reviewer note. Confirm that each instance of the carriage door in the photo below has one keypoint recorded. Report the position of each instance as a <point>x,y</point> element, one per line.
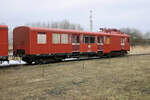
<point>100,41</point>
<point>122,43</point>
<point>75,43</point>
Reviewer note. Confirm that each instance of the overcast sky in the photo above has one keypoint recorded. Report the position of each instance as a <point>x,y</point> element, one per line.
<point>106,13</point>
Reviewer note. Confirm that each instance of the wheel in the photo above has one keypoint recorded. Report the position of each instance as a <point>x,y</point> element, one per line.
<point>100,54</point>
<point>28,62</point>
<point>38,61</point>
<point>109,55</point>
<point>58,60</point>
<point>123,53</point>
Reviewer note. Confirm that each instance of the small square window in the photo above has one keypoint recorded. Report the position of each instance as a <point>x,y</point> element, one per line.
<point>92,39</point>
<point>64,38</point>
<point>86,39</point>
<point>56,38</point>
<point>41,38</point>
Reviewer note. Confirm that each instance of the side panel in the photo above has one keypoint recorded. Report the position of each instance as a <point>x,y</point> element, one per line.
<point>115,43</point>
<point>127,44</point>
<point>92,47</point>
<point>3,41</point>
<point>83,47</point>
<point>39,42</point>
<point>21,39</point>
<point>61,48</point>
<point>88,47</point>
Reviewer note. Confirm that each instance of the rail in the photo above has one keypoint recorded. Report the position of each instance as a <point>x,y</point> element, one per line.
<point>21,63</point>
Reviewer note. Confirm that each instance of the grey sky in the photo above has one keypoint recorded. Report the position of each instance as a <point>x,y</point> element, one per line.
<point>106,13</point>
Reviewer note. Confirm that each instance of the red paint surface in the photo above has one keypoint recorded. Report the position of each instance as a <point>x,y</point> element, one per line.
<point>3,40</point>
<point>26,38</point>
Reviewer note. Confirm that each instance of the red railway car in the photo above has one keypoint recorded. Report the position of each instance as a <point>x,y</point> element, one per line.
<point>3,43</point>
<point>41,45</point>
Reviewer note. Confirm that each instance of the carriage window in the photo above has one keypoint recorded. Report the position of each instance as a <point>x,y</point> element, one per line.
<point>92,39</point>
<point>108,40</point>
<point>73,39</point>
<point>100,39</point>
<point>86,39</point>
<point>41,38</point>
<point>56,38</point>
<point>64,38</point>
<point>78,39</point>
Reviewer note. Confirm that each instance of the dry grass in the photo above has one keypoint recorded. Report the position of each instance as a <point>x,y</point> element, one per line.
<point>140,49</point>
<point>122,78</point>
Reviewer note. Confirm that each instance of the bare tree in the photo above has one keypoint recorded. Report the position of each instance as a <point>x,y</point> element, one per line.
<point>147,35</point>
<point>65,24</point>
<point>137,37</point>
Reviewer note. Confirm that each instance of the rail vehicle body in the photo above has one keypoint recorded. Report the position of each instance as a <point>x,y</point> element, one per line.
<point>42,45</point>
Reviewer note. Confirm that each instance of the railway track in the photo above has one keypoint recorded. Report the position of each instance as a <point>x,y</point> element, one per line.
<point>9,65</point>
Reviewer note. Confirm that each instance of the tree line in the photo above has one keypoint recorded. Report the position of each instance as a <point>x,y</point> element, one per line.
<point>137,37</point>
<point>65,24</point>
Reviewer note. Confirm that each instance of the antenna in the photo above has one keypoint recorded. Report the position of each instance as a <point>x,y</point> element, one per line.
<point>91,21</point>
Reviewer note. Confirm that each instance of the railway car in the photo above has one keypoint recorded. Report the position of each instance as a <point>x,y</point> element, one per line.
<point>42,45</point>
<point>3,43</point>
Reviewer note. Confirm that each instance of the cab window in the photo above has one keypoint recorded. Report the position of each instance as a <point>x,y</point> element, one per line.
<point>99,39</point>
<point>78,39</point>
<point>107,40</point>
<point>85,39</point>
<point>92,39</point>
<point>75,39</point>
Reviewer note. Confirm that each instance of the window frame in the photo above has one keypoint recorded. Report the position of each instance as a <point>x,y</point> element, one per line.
<point>66,38</point>
<point>100,39</point>
<point>85,38</point>
<point>75,38</point>
<point>108,40</point>
<point>58,35</point>
<point>78,39</point>
<point>40,41</point>
<point>92,39</point>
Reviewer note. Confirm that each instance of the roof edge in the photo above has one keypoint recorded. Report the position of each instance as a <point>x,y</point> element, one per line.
<point>3,27</point>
